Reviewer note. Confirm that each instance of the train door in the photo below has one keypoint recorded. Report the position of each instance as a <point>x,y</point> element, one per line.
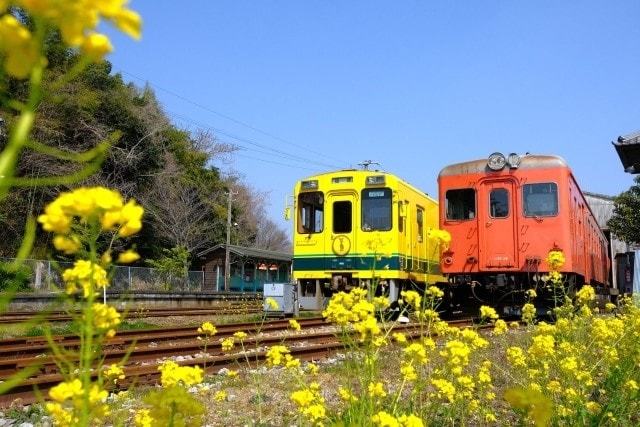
<point>420,249</point>
<point>341,241</point>
<point>498,240</point>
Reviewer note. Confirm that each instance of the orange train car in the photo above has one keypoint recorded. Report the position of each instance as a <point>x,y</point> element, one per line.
<point>505,214</point>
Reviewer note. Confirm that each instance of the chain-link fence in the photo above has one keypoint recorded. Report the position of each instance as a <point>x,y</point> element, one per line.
<point>47,276</point>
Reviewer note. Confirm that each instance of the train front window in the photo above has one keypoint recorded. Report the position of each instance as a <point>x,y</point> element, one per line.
<point>461,204</point>
<point>499,203</point>
<point>310,212</point>
<point>376,209</point>
<point>540,199</point>
<point>342,217</point>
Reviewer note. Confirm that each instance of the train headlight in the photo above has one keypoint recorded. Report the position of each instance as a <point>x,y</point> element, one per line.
<point>375,180</point>
<point>496,161</point>
<point>514,160</point>
<point>310,185</point>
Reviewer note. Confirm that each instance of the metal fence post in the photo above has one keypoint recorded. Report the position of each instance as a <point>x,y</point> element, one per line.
<point>129,268</point>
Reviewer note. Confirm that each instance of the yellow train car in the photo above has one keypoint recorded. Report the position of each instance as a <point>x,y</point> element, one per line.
<point>353,225</point>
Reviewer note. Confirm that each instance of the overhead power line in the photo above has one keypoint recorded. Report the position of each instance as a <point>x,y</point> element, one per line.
<point>275,163</point>
<point>270,150</point>
<point>227,117</point>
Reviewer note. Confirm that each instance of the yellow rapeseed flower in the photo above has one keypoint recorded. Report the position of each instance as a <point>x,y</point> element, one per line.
<point>128,256</point>
<point>500,327</point>
<point>272,304</point>
<point>528,313</point>
<point>18,46</point>
<point>408,372</point>
<point>227,344</point>
<point>376,389</point>
<point>96,46</point>
<point>400,337</point>
<point>488,313</point>
<point>368,328</point>
<point>294,324</point>
<point>174,374</point>
<point>384,419</point>
<point>412,298</point>
<point>434,292</point>
<point>416,352</point>
<point>143,418</point>
<point>555,260</point>
<point>220,396</point>
<point>585,295</point>
<point>114,373</point>
<point>410,421</point>
<point>241,335</point>
<point>275,355</point>
<point>516,357</point>
<point>86,276</point>
<point>105,317</point>
<point>346,395</point>
<point>444,389</point>
<point>208,329</point>
<point>67,244</point>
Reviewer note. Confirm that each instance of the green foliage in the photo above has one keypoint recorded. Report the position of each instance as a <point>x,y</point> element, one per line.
<point>14,278</point>
<point>174,261</point>
<point>175,406</point>
<point>150,155</point>
<point>625,222</point>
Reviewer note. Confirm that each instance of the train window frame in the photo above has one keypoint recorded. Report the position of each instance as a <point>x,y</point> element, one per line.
<point>524,200</point>
<point>302,205</point>
<point>363,209</point>
<point>506,190</point>
<point>350,214</point>
<point>420,222</point>
<point>475,204</point>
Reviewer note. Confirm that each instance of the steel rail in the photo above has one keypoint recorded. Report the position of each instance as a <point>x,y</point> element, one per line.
<point>318,345</point>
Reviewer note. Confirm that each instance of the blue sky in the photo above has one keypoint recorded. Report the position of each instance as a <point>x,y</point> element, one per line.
<point>414,85</point>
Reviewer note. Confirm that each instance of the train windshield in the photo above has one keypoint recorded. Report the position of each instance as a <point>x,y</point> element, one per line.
<point>310,212</point>
<point>540,199</point>
<point>376,209</point>
<point>461,204</point>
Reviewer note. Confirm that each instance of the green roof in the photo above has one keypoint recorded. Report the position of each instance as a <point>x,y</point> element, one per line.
<point>250,252</point>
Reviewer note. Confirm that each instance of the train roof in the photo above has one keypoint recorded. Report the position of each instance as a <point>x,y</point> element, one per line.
<point>367,172</point>
<point>528,161</point>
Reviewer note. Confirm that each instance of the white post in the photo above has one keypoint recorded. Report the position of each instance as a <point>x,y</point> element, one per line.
<point>217,278</point>
<point>129,270</point>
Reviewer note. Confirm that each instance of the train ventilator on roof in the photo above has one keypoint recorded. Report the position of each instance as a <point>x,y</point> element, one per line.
<point>497,161</point>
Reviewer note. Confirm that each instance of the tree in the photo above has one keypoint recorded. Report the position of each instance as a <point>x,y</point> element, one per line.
<point>179,214</point>
<point>625,222</point>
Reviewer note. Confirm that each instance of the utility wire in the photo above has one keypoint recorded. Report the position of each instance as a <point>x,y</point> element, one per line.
<point>271,151</point>
<point>276,163</point>
<point>227,117</point>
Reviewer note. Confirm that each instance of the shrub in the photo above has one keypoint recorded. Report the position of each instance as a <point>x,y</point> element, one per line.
<point>14,278</point>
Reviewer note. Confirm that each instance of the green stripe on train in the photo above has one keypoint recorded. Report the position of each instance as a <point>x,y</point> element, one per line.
<point>367,262</point>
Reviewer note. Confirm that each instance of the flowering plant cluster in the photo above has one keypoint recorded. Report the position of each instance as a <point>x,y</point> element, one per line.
<point>79,218</point>
<point>77,21</point>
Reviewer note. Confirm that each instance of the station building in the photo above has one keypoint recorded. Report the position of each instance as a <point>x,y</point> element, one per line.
<point>250,268</point>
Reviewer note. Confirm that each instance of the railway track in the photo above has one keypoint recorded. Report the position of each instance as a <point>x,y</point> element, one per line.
<point>61,316</point>
<point>143,360</point>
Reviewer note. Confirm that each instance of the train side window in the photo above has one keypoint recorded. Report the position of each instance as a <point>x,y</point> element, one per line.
<point>499,203</point>
<point>420,220</point>
<point>461,204</point>
<point>540,199</point>
<point>401,207</point>
<point>376,209</point>
<point>342,217</point>
<point>311,212</point>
